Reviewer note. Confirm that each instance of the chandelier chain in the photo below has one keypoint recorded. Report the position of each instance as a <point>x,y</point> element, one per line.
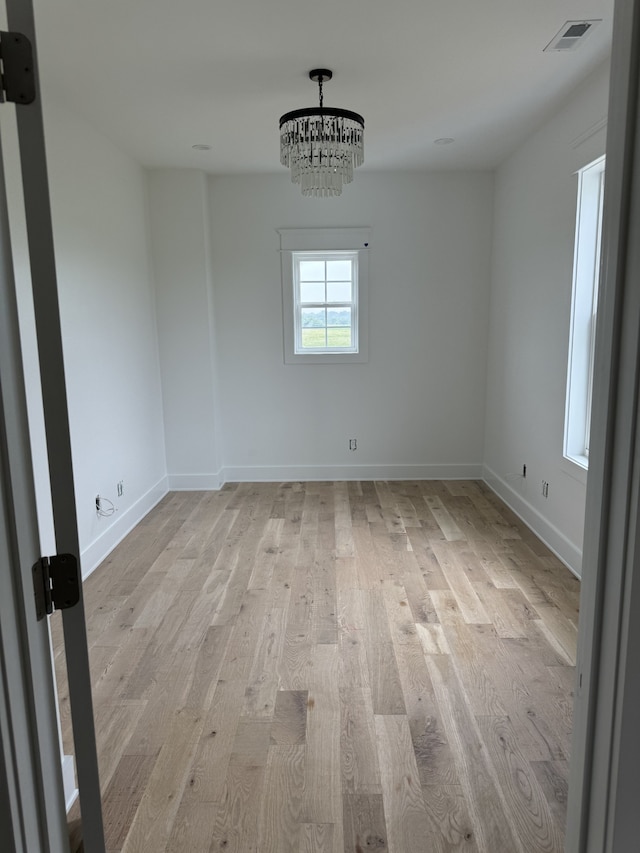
<point>321,95</point>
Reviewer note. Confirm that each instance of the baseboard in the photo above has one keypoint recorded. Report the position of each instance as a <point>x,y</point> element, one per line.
<point>69,780</point>
<point>302,473</point>
<point>552,537</point>
<point>196,482</point>
<point>94,554</point>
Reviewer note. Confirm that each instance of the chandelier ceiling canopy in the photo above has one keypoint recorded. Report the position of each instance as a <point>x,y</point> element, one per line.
<point>321,145</point>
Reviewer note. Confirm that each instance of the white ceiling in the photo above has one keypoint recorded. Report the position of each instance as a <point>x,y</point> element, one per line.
<point>158,76</point>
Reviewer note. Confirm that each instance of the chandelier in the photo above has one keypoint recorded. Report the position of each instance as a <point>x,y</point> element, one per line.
<point>321,145</point>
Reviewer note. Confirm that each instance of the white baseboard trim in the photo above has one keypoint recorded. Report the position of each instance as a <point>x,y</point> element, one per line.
<point>552,537</point>
<point>69,779</point>
<point>196,482</point>
<point>302,473</point>
<point>95,553</point>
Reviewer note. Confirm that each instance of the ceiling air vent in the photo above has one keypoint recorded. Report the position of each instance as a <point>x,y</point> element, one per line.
<point>571,35</point>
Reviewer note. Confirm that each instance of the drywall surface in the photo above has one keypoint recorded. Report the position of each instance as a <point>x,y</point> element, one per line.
<point>178,208</point>
<point>533,245</point>
<point>416,407</point>
<point>108,326</point>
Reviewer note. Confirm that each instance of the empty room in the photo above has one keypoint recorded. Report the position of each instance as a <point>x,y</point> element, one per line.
<point>311,403</point>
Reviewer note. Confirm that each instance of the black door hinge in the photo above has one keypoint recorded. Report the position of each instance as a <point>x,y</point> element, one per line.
<point>17,77</point>
<point>56,585</point>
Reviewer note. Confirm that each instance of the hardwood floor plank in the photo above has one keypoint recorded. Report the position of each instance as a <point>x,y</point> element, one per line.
<point>206,662</point>
<point>447,809</point>
<point>430,746</point>
<point>279,821</point>
<point>251,743</point>
<point>553,778</point>
<point>215,746</point>
<point>322,802</point>
<point>499,609</point>
<point>474,664</point>
<point>386,690</point>
<point>360,770</point>
<point>290,717</point>
<point>527,805</point>
<point>153,821</point>
<point>260,694</point>
<point>365,826</point>
<point>193,827</point>
<point>122,796</point>
<point>237,813</point>
<point>407,820</point>
<point>316,838</point>
<point>493,825</point>
<point>470,605</point>
<point>353,661</point>
<point>447,525</point>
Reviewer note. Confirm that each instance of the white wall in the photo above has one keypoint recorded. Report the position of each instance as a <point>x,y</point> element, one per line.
<point>417,406</point>
<point>533,243</point>
<point>180,240</point>
<point>108,325</point>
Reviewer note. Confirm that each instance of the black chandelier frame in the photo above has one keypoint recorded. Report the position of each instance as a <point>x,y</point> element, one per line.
<point>319,76</point>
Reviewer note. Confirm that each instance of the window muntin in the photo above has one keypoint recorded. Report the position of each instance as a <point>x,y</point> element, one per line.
<point>325,302</point>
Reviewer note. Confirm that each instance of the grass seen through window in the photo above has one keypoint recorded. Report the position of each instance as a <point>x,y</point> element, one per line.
<point>314,338</point>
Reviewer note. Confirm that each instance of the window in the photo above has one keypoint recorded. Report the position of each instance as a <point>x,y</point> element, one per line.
<point>324,294</point>
<point>326,303</point>
<point>586,274</point>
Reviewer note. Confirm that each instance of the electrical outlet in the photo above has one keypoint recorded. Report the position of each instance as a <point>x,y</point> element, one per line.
<point>120,488</point>
<point>353,444</point>
<point>545,489</point>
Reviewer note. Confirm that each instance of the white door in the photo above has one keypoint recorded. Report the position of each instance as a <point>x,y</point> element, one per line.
<point>32,812</point>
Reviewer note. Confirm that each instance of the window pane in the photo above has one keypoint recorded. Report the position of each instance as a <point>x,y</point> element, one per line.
<point>314,333</point>
<point>339,337</point>
<point>339,317</point>
<point>311,270</point>
<point>314,338</point>
<point>312,291</point>
<point>339,291</point>
<point>339,270</point>
<point>313,317</point>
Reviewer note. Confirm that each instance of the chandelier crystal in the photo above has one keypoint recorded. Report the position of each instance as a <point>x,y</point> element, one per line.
<point>321,145</point>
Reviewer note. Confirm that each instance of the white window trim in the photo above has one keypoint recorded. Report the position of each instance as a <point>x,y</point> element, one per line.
<point>586,269</point>
<point>351,304</point>
<point>326,240</point>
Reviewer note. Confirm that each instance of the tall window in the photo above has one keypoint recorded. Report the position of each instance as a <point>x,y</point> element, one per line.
<point>326,302</point>
<point>586,274</point>
<point>324,294</point>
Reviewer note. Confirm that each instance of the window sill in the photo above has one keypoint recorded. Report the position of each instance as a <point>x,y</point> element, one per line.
<point>577,467</point>
<point>326,358</point>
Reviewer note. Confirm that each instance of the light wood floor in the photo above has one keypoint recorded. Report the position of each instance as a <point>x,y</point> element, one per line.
<point>332,667</point>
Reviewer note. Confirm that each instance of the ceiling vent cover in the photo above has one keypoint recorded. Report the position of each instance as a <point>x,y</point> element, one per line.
<point>571,35</point>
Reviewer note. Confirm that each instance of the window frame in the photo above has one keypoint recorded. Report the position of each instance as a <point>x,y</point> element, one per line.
<point>299,305</point>
<point>295,243</point>
<point>584,299</point>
